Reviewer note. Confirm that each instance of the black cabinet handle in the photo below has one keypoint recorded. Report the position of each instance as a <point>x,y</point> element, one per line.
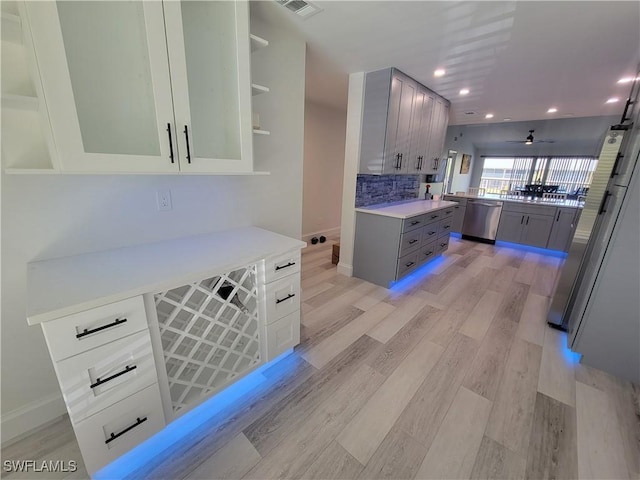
<point>522,220</point>
<point>428,253</point>
<point>527,220</point>
<point>170,143</point>
<point>431,233</point>
<point>443,244</point>
<point>558,218</point>
<point>280,300</point>
<point>416,222</point>
<point>400,160</point>
<point>100,381</point>
<point>186,136</point>
<point>397,161</point>
<point>113,436</point>
<point>603,204</point>
<point>280,267</point>
<point>408,264</point>
<point>446,226</point>
<point>434,216</point>
<point>116,322</point>
<point>411,242</point>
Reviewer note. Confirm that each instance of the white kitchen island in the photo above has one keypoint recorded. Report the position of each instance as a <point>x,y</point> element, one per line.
<point>140,335</point>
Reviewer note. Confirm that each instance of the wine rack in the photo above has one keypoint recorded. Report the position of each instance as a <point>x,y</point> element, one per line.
<point>210,334</point>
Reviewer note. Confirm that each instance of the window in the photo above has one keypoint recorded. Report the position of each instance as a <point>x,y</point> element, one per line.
<point>571,175</point>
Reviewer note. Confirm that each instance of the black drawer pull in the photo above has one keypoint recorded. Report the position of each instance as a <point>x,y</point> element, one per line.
<point>415,223</point>
<point>280,300</point>
<point>443,244</point>
<point>434,216</point>
<point>411,242</point>
<point>86,332</point>
<point>429,253</point>
<point>113,436</point>
<point>100,381</point>
<point>446,226</point>
<point>430,233</point>
<point>448,212</point>
<point>408,264</point>
<point>280,267</point>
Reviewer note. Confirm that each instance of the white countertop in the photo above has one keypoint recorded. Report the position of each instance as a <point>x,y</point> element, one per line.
<point>68,285</point>
<point>529,200</point>
<point>406,209</point>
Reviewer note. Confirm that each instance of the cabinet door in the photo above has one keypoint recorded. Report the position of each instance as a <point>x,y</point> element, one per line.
<point>537,229</point>
<point>398,138</point>
<point>420,132</point>
<point>105,76</point>
<point>438,131</point>
<point>511,226</point>
<point>209,55</point>
<point>563,228</point>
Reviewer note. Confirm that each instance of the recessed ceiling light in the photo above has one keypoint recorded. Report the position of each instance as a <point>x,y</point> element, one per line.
<point>489,115</point>
<point>507,119</point>
<point>613,100</point>
<point>464,91</point>
<point>439,72</point>
<point>552,110</point>
<point>627,79</point>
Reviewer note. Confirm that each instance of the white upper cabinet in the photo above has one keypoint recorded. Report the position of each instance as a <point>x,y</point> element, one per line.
<point>403,125</point>
<point>209,54</point>
<point>151,86</point>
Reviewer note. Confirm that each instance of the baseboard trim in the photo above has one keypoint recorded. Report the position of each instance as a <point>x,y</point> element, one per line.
<point>345,269</point>
<point>27,418</point>
<point>329,232</point>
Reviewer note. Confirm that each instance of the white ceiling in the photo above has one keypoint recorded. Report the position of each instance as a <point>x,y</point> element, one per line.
<point>518,58</point>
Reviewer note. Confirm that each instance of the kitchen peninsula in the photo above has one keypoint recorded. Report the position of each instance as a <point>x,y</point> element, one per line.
<point>393,239</point>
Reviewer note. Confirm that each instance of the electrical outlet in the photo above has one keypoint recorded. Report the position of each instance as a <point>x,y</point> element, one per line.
<point>164,200</point>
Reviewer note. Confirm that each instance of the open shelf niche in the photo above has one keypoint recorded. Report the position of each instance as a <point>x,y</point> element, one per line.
<point>258,43</point>
<point>27,144</point>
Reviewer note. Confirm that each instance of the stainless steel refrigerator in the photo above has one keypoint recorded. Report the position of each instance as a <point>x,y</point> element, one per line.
<point>608,210</point>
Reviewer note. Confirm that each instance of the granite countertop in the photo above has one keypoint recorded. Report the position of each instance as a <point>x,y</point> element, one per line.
<point>529,200</point>
<point>406,209</point>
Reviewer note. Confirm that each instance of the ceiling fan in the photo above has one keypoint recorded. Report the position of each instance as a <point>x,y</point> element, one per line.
<point>530,140</point>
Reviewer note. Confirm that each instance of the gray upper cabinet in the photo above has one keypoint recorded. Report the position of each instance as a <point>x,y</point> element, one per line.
<point>563,228</point>
<point>399,130</point>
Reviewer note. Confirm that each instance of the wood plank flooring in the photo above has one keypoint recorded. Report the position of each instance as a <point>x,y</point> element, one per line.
<point>454,375</point>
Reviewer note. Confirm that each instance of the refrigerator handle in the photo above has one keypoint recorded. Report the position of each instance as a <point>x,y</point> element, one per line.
<point>614,170</point>
<point>603,204</point>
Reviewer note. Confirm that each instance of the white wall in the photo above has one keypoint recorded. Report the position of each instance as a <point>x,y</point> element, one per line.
<point>46,216</point>
<point>324,138</point>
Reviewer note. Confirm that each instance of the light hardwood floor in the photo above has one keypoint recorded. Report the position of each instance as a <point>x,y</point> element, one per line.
<point>451,374</point>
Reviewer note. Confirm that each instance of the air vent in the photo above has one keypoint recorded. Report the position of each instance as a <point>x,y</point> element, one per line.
<point>301,8</point>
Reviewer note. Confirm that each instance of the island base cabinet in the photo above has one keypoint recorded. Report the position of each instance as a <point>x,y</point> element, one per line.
<point>537,230</point>
<point>115,430</point>
<point>563,229</point>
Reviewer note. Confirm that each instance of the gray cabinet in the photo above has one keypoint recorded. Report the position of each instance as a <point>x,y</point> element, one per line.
<point>458,212</point>
<point>403,124</point>
<point>526,224</point>
<point>388,248</point>
<point>564,227</point>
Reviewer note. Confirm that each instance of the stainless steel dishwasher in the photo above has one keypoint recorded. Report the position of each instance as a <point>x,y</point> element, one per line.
<point>481,220</point>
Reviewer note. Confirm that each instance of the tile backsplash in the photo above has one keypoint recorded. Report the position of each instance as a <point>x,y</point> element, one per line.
<point>374,189</point>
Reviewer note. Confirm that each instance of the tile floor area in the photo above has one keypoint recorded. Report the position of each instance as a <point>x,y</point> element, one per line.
<point>453,374</point>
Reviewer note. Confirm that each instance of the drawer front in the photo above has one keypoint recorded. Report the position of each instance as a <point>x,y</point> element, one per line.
<point>280,266</point>
<point>442,244</point>
<point>409,242</point>
<point>407,264</point>
<point>447,212</point>
<point>282,335</point>
<point>529,208</point>
<point>282,297</point>
<point>444,227</point>
<point>433,217</point>
<point>413,223</point>
<point>430,233</point>
<point>77,333</point>
<point>105,375</point>
<point>131,421</point>
<point>428,251</point>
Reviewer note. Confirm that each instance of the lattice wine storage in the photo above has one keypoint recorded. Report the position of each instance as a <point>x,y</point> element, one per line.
<point>210,334</point>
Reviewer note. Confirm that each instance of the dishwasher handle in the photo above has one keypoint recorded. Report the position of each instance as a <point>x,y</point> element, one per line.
<point>487,204</point>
